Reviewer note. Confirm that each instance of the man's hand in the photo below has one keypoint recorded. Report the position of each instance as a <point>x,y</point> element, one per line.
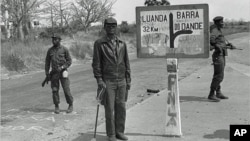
<point>60,68</point>
<point>48,76</point>
<point>101,84</point>
<point>231,46</point>
<point>128,86</point>
<point>46,80</point>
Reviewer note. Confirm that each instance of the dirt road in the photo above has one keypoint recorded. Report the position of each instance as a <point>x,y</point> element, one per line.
<point>27,108</point>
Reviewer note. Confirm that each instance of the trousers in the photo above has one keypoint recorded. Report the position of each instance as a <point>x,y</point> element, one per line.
<point>115,107</point>
<point>219,63</point>
<point>56,78</point>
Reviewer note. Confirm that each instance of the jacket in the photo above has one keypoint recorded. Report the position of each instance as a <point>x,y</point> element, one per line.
<point>57,57</point>
<point>110,61</point>
<point>218,41</point>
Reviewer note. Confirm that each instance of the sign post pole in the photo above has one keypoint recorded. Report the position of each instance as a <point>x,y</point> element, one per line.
<point>173,118</point>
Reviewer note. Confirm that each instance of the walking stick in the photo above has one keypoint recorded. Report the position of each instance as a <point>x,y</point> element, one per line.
<point>94,139</point>
<point>99,98</point>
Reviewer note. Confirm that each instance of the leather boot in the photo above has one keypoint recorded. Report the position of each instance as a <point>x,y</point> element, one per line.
<point>111,138</point>
<point>121,137</point>
<point>220,95</point>
<point>57,110</point>
<point>212,96</point>
<point>70,108</point>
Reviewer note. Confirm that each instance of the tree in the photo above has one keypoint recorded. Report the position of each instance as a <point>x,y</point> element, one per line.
<point>124,28</point>
<point>87,12</point>
<point>20,14</point>
<point>241,21</point>
<point>59,12</point>
<point>156,3</point>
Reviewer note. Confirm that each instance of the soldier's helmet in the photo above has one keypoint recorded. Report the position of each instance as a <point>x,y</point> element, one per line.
<point>217,18</point>
<point>110,21</point>
<point>56,36</point>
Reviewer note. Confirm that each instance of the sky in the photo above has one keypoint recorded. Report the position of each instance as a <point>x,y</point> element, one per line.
<point>229,9</point>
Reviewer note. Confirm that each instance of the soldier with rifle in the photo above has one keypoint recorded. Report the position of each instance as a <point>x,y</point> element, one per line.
<point>220,45</point>
<point>59,59</point>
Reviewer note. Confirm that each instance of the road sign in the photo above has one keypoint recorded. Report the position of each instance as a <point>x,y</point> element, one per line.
<point>176,31</point>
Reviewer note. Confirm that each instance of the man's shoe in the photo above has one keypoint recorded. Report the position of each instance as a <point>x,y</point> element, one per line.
<point>121,137</point>
<point>221,96</point>
<point>213,98</point>
<point>70,109</point>
<point>57,110</point>
<point>111,138</point>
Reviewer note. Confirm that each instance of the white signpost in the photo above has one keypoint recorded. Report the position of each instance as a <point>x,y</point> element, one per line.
<point>172,32</point>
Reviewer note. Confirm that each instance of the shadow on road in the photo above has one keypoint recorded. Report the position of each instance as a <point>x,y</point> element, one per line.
<point>137,134</point>
<point>89,137</point>
<point>222,134</point>
<point>193,98</point>
<point>101,136</point>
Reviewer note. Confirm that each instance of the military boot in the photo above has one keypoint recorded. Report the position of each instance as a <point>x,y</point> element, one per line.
<point>57,110</point>
<point>70,108</point>
<point>220,95</point>
<point>212,96</point>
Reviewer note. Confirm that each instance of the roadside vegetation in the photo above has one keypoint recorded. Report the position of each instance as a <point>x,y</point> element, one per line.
<point>24,47</point>
<point>30,54</point>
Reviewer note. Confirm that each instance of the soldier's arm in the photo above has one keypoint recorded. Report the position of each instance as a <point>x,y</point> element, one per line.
<point>47,62</point>
<point>68,59</point>
<point>213,36</point>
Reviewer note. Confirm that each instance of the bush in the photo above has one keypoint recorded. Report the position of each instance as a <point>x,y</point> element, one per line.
<point>80,49</point>
<point>48,32</point>
<point>29,55</point>
<point>13,62</point>
<point>124,28</point>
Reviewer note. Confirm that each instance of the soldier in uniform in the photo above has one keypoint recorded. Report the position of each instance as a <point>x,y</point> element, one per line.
<point>59,59</point>
<point>111,69</point>
<point>220,46</point>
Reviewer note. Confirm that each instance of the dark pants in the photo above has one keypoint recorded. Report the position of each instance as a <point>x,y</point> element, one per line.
<point>115,107</point>
<point>55,85</point>
<point>218,76</point>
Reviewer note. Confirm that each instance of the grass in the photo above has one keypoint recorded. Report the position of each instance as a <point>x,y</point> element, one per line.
<point>22,56</point>
<point>79,49</point>
<point>30,54</point>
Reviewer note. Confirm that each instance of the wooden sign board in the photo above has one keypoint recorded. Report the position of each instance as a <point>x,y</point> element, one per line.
<point>176,31</point>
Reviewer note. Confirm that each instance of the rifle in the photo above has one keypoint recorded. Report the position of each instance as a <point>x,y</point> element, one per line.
<point>46,80</point>
<point>231,46</point>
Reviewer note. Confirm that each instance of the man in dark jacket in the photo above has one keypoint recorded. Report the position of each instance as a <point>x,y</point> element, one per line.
<point>112,71</point>
<point>59,59</point>
<point>220,46</point>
